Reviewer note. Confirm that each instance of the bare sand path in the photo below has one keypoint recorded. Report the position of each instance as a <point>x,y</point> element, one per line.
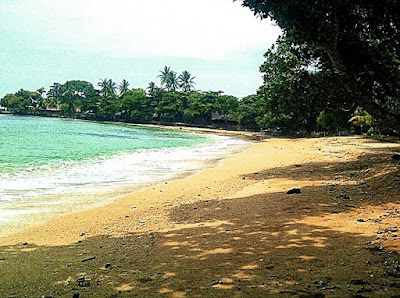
<point>231,230</point>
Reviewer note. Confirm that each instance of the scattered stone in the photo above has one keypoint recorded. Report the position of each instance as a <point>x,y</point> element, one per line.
<point>396,157</point>
<point>358,282</point>
<point>134,207</point>
<point>364,290</point>
<point>75,295</point>
<point>294,191</point>
<point>82,234</point>
<point>83,282</point>
<point>88,259</point>
<point>335,212</point>
<point>344,197</point>
<point>361,220</point>
<point>297,165</point>
<point>107,266</point>
<point>25,243</point>
<point>220,282</point>
<point>255,173</point>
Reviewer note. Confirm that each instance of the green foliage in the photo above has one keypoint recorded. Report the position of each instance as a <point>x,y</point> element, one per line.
<point>80,99</point>
<point>355,41</point>
<point>200,107</point>
<point>250,109</point>
<point>123,86</point>
<point>333,121</point>
<point>108,87</point>
<point>73,95</point>
<point>186,81</point>
<point>136,106</point>
<point>23,101</point>
<point>171,106</point>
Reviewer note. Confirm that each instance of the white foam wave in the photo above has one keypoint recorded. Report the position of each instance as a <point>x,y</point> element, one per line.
<point>141,167</point>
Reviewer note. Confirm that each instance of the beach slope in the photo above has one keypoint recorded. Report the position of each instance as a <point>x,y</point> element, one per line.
<point>230,230</point>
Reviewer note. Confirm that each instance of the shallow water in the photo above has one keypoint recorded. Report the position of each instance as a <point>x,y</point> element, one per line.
<point>51,166</point>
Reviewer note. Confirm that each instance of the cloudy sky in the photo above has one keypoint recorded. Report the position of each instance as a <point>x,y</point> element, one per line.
<point>47,41</point>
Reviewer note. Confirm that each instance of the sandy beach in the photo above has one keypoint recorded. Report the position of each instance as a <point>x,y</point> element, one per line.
<point>231,230</point>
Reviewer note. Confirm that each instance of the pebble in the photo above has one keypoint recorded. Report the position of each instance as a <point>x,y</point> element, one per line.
<point>294,191</point>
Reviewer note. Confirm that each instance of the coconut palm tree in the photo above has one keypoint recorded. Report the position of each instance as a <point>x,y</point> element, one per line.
<point>172,81</point>
<point>164,75</point>
<point>54,91</point>
<point>103,85</point>
<point>151,88</point>
<point>107,86</point>
<point>52,100</point>
<point>123,86</point>
<point>186,81</point>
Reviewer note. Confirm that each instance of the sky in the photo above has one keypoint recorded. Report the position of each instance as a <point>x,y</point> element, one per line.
<point>219,42</point>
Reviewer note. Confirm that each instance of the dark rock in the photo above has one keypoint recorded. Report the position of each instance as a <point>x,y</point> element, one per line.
<point>361,220</point>
<point>75,295</point>
<point>88,259</point>
<point>294,191</point>
<point>25,243</point>
<point>364,290</point>
<point>83,282</point>
<point>358,282</point>
<point>396,157</point>
<point>107,266</point>
<point>82,234</point>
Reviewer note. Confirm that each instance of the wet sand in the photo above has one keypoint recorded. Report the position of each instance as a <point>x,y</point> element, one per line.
<point>231,230</point>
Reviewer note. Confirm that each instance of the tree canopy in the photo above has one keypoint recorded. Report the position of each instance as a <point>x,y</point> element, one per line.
<point>357,41</point>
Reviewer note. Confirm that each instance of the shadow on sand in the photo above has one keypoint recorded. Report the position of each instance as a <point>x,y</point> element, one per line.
<point>249,246</point>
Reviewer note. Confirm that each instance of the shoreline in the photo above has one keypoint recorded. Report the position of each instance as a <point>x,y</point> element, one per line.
<point>230,229</point>
<point>40,209</point>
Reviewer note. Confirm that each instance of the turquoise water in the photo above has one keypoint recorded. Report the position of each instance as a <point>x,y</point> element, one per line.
<point>51,166</point>
<point>31,142</point>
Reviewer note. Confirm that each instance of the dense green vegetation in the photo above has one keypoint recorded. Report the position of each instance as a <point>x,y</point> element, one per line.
<point>175,101</point>
<point>295,97</point>
<point>332,54</point>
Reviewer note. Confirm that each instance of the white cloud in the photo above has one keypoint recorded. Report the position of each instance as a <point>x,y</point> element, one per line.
<point>205,29</point>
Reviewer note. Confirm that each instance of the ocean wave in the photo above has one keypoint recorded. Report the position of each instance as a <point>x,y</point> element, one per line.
<point>141,167</point>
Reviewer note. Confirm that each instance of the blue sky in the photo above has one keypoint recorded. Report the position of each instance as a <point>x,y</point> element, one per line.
<point>47,41</point>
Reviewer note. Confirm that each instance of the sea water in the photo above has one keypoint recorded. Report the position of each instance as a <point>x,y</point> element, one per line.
<point>50,166</point>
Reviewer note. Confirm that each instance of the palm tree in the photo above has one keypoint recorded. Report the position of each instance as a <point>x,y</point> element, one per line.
<point>152,88</point>
<point>186,81</point>
<point>172,81</point>
<point>103,85</point>
<point>107,86</point>
<point>53,96</point>
<point>164,75</point>
<point>111,87</point>
<point>54,91</point>
<point>123,86</point>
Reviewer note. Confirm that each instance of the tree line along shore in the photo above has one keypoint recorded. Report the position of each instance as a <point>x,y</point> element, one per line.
<point>177,101</point>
